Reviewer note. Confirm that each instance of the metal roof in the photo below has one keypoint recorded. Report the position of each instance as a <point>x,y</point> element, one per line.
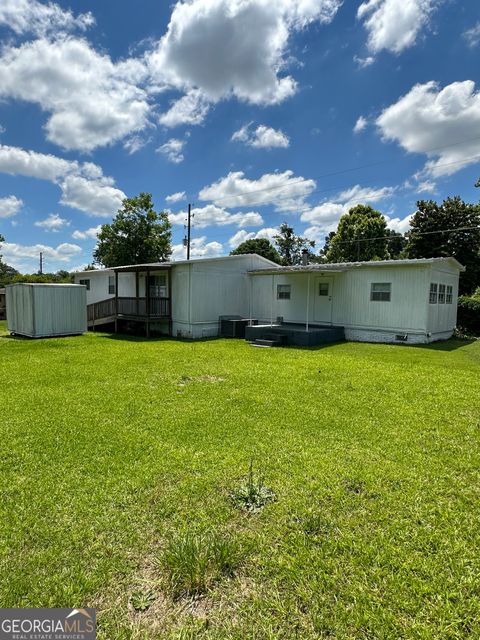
<point>339,267</point>
<point>173,263</point>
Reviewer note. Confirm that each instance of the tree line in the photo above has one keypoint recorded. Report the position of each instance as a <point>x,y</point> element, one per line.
<point>138,234</point>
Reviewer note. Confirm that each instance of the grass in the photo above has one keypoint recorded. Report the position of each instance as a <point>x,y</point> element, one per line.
<point>115,450</point>
<point>194,562</point>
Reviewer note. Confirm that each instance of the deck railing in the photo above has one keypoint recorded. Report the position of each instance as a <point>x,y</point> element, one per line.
<point>102,309</point>
<point>159,307</point>
<point>129,307</point>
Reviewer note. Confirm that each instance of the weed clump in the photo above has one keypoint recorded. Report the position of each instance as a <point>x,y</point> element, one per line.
<point>194,562</point>
<point>252,495</point>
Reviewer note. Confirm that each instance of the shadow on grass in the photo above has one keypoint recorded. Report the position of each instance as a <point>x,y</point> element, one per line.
<point>129,337</point>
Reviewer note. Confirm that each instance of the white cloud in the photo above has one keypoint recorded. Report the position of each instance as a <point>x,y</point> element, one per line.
<point>428,118</point>
<point>10,206</point>
<point>398,224</point>
<point>234,47</point>
<point>325,216</point>
<point>88,234</point>
<point>135,143</point>
<point>191,109</point>
<point>472,36</point>
<point>17,161</point>
<point>91,101</point>
<point>15,254</point>
<point>211,215</point>
<point>242,235</point>
<point>363,63</point>
<point>395,24</point>
<point>262,138</point>
<point>176,197</point>
<point>361,195</point>
<point>199,248</point>
<point>283,190</point>
<point>96,198</point>
<point>360,124</point>
<point>83,185</point>
<point>53,222</point>
<point>30,16</point>
<point>427,186</point>
<point>172,150</point>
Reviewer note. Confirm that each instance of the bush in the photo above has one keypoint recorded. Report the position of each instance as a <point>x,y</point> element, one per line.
<point>468,318</point>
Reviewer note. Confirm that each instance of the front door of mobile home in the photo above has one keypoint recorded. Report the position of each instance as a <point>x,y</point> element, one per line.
<point>323,300</point>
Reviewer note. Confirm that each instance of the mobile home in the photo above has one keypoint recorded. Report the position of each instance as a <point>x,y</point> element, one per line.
<point>413,301</point>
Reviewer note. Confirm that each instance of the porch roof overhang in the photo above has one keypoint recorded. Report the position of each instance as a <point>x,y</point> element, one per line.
<point>293,271</point>
<point>133,268</point>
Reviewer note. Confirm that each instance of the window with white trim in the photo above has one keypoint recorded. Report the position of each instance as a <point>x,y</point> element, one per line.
<point>86,283</point>
<point>449,297</point>
<point>441,294</point>
<point>283,291</point>
<point>433,293</point>
<point>381,291</point>
<point>111,284</point>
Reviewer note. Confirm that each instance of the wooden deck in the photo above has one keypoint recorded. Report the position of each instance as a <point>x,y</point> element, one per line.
<point>145,310</point>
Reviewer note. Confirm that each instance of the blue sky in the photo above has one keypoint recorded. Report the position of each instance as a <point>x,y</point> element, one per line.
<point>255,112</point>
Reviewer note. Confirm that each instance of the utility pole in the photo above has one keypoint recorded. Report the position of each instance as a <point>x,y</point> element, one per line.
<point>41,263</point>
<point>189,225</point>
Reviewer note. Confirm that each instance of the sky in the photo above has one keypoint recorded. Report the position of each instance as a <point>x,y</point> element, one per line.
<point>255,112</point>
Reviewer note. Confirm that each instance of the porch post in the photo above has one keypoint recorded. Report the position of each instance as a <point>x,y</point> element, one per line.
<point>137,290</point>
<point>116,301</point>
<point>169,302</point>
<point>271,301</point>
<point>308,300</point>
<point>147,303</point>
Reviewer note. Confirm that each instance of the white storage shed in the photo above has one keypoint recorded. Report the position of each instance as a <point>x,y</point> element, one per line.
<point>46,310</point>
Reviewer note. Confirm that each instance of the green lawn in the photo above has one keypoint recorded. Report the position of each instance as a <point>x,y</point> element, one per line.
<point>112,448</point>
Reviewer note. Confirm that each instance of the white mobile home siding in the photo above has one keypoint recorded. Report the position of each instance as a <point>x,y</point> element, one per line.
<point>46,310</point>
<point>442,317</point>
<point>204,290</point>
<point>407,313</point>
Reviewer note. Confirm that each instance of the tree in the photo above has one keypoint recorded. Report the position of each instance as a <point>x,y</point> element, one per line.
<point>136,235</point>
<point>260,246</point>
<point>431,236</point>
<point>290,246</point>
<point>396,244</point>
<point>361,235</point>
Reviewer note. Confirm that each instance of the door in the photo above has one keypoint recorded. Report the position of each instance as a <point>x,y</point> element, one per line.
<point>323,300</point>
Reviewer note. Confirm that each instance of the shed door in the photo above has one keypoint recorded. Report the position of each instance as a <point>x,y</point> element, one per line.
<point>323,300</point>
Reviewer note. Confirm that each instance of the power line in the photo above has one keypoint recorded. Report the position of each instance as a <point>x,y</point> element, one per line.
<point>404,237</point>
<point>301,181</point>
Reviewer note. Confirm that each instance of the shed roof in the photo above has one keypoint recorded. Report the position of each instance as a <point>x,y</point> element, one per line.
<point>348,266</point>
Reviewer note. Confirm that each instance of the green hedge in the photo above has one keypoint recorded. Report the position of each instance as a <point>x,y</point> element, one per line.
<point>468,317</point>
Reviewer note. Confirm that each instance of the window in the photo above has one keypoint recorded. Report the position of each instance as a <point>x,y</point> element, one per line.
<point>283,291</point>
<point>86,283</point>
<point>381,291</point>
<point>158,286</point>
<point>323,288</point>
<point>433,292</point>
<point>449,294</point>
<point>441,294</point>
<point>111,284</point>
